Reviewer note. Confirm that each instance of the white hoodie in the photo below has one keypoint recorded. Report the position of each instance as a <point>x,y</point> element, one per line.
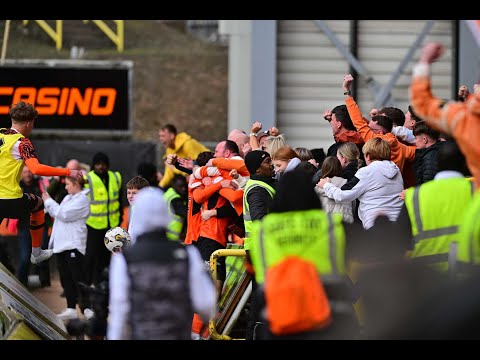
<point>378,189</point>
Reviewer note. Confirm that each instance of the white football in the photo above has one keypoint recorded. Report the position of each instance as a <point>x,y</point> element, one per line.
<point>116,239</point>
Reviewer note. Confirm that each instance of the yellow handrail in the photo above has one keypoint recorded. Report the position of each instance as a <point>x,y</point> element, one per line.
<point>56,34</point>
<point>213,267</point>
<point>5,41</point>
<point>118,37</point>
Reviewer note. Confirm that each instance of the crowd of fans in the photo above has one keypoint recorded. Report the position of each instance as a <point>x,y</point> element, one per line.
<point>384,221</point>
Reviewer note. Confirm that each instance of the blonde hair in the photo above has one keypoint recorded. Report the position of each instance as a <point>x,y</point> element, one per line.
<point>349,151</point>
<point>80,181</point>
<point>377,149</point>
<point>273,143</point>
<point>285,153</point>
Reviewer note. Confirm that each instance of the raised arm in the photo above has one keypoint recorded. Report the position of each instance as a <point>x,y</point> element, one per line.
<point>44,170</point>
<point>354,111</point>
<point>256,127</point>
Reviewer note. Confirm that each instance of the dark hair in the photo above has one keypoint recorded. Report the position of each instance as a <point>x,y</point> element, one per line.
<point>295,192</point>
<point>397,115</point>
<point>331,167</point>
<point>179,177</point>
<point>22,112</point>
<point>383,121</point>
<point>137,182</point>
<point>232,147</point>
<point>307,167</point>
<point>423,128</point>
<point>413,115</point>
<point>170,128</point>
<point>342,115</point>
<point>100,157</point>
<point>203,157</point>
<point>148,171</point>
<point>318,155</point>
<point>450,157</point>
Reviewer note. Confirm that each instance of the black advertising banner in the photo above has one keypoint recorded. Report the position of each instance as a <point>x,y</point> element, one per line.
<point>79,97</point>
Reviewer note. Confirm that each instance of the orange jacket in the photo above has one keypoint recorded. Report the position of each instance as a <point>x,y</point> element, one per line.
<point>400,152</point>
<point>458,119</point>
<point>194,219</point>
<point>224,166</point>
<point>214,228</point>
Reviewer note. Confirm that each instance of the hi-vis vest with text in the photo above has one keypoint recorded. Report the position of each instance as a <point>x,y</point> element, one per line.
<point>436,210</point>
<point>468,250</point>
<point>247,220</point>
<point>176,224</point>
<point>299,261</point>
<point>312,235</point>
<point>104,204</point>
<point>11,169</point>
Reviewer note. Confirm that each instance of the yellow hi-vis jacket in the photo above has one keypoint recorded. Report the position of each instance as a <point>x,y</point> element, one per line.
<point>247,219</point>
<point>104,203</point>
<point>11,168</point>
<point>468,249</point>
<point>436,210</point>
<point>176,224</point>
<point>315,237</point>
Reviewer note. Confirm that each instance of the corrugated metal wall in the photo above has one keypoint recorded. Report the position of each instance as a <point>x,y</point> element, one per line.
<point>310,70</point>
<point>382,45</point>
<point>309,74</point>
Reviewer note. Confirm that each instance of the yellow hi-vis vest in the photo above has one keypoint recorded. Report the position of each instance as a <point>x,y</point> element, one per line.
<point>104,204</point>
<point>468,249</point>
<point>436,210</point>
<point>313,236</point>
<point>11,169</point>
<point>176,224</point>
<point>247,220</point>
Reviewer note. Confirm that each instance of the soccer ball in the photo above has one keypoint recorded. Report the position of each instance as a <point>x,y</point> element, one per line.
<point>116,239</point>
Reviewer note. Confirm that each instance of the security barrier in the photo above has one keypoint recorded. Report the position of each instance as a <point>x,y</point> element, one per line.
<point>23,316</point>
<point>235,293</point>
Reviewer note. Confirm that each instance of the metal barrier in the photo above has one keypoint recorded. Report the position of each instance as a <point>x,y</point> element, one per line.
<point>117,37</point>
<point>235,295</point>
<point>56,34</point>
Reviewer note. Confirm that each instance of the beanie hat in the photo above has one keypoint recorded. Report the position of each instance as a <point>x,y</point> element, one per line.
<point>254,159</point>
<point>100,157</point>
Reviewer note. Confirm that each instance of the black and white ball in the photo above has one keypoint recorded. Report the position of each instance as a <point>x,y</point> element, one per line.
<point>117,239</point>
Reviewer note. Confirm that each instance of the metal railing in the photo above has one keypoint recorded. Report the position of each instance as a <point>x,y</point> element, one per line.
<point>236,294</point>
<point>55,34</point>
<point>117,36</point>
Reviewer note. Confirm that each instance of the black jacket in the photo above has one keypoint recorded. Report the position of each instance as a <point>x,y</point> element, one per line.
<point>259,199</point>
<point>425,165</point>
